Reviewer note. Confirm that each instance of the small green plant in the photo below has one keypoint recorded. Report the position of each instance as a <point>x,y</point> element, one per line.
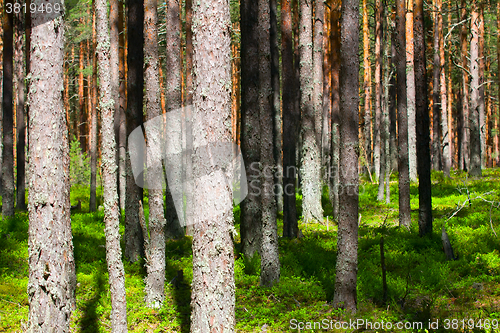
<point>79,165</point>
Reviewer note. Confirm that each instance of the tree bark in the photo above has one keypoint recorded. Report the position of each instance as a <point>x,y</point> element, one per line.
<point>109,174</point>
<point>93,113</point>
<point>436,96</point>
<point>8,199</point>
<point>52,279</point>
<point>213,288</point>
<point>404,176</point>
<point>381,89</point>
<point>379,7</point>
<point>347,243</point>
<point>310,120</point>
<point>423,122</point>
<point>475,108</point>
<point>335,150</point>
<point>115,77</point>
<point>367,79</point>
<point>410,94</point>
<point>327,92</point>
<point>122,91</point>
<point>290,121</point>
<point>445,143</point>
<point>482,99</point>
<point>135,55</point>
<point>270,263</point>
<point>464,161</point>
<point>251,214</point>
<point>20,114</point>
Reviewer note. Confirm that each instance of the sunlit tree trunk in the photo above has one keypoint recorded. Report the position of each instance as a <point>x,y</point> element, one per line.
<point>347,244</point>
<point>436,94</point>
<point>379,9</point>
<point>310,118</point>
<point>52,278</point>
<point>404,177</point>
<point>482,99</point>
<point>213,287</point>
<point>367,81</point>
<point>410,94</point>
<point>465,135</point>
<point>7,118</point>
<point>445,141</point>
<point>122,91</point>
<point>475,108</point>
<point>115,76</point>
<point>93,121</point>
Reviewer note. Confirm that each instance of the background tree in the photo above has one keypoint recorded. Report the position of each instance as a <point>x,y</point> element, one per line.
<point>403,168</point>
<point>7,118</point>
<point>135,57</point>
<point>367,84</point>
<point>423,123</point>
<point>213,289</point>
<point>410,94</point>
<point>52,279</point>
<point>347,243</point>
<point>475,131</point>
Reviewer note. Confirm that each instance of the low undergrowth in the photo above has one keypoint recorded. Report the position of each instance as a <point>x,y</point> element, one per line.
<point>422,286</point>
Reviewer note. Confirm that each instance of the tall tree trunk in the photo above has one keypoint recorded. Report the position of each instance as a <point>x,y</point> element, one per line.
<point>335,150</point>
<point>388,74</point>
<point>275,88</point>
<point>464,161</point>
<point>318,51</point>
<point>251,214</point>
<point>174,101</point>
<point>445,143</point>
<point>270,263</point>
<point>122,91</point>
<point>135,55</point>
<point>52,279</point>
<point>410,94</point>
<point>155,249</point>
<point>290,121</point>
<point>327,92</point>
<point>115,77</point>
<point>20,123</point>
<point>378,84</point>
<point>347,243</point>
<point>310,120</point>
<point>367,81</point>
<point>93,110</point>
<point>436,95</point>
<point>482,103</point>
<point>7,121</point>
<point>109,174</point>
<point>474,125</point>
<point>393,140</point>
<point>213,289</point>
<point>382,79</point>
<point>404,176</point>
<point>423,122</point>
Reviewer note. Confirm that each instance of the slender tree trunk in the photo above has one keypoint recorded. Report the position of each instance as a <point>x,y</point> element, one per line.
<point>213,289</point>
<point>327,92</point>
<point>379,32</point>
<point>7,119</point>
<point>423,122</point>
<point>122,91</point>
<point>450,98</point>
<point>385,120</point>
<point>275,86</point>
<point>52,279</point>
<point>310,116</point>
<point>446,153</point>
<point>251,214</point>
<point>410,94</point>
<point>335,150</point>
<point>475,131</point>
<point>347,243</point>
<point>436,95</point>
<point>115,76</point>
<point>290,121</point>
<point>20,112</point>
<point>392,103</point>
<point>404,176</point>
<point>367,80</point>
<point>464,163</point>
<point>270,263</point>
<point>482,103</point>
<point>135,55</point>
<point>382,85</point>
<point>109,174</point>
<point>174,101</point>
<point>155,249</point>
<point>93,115</point>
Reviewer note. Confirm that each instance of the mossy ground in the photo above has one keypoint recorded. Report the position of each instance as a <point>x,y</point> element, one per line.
<point>422,285</point>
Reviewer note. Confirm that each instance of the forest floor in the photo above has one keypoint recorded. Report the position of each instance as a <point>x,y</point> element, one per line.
<point>423,288</point>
